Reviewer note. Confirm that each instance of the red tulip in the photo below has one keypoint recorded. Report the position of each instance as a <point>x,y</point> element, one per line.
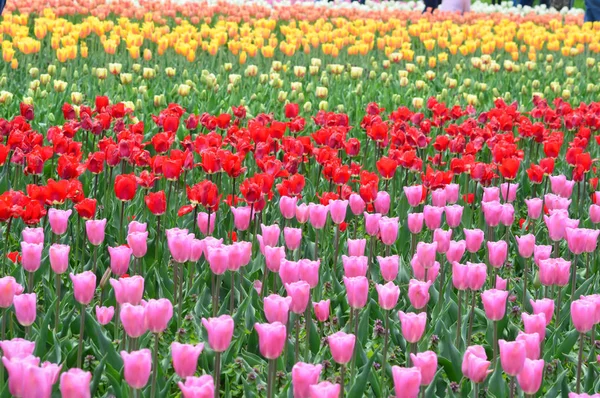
<point>125,187</point>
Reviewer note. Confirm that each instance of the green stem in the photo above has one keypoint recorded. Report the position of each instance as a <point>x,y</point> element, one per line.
<point>155,365</point>
<point>356,322</point>
<point>495,341</point>
<point>525,277</point>
<point>81,330</point>
<point>297,341</point>
<point>217,375</point>
<point>343,377</point>
<point>459,319</point>
<point>579,361</point>
<point>58,286</point>
<point>337,250</point>
<point>215,303</point>
<point>573,276</point>
<point>385,347</point>
<point>471,316</point>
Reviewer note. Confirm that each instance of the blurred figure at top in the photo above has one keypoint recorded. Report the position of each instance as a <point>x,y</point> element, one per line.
<point>461,6</point>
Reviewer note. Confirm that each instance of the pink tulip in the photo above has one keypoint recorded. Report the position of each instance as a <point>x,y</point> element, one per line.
<point>84,286</point>
<point>433,216</point>
<point>317,215</point>
<point>357,291</point>
<point>382,202</point>
<point>512,356</point>
<point>500,283</point>
<point>271,339</point>
<point>128,290</point>
<point>414,194</point>
<point>138,242</point>
<point>59,257</point>
<point>595,213</point>
<point>357,204</point>
<point>31,254</point>
<point>541,252</point>
<point>491,194</point>
<point>372,223</point>
<point>532,344</point>
<point>526,244</point>
<point>595,300</point>
<point>388,266</point>
<point>476,275</point>
<point>356,247</point>
<point>534,208</point>
<point>452,193</point>
<point>241,217</point>
<point>415,222</point>
<point>104,314</point>
<point>341,346</point>
<point>304,375</point>
<point>507,218</point>
<point>475,364</point>
<point>576,239</point>
<point>534,324</point>
<point>218,259</point>
<point>180,244</point>
<point>561,186</point>
<point>309,271</point>
<point>17,348</point>
<point>185,358</point>
<point>38,381</point>
<point>453,215</point>
<point>277,308</point>
<point>33,235</point>
<point>321,309</point>
<point>388,230</point>
<point>426,253</point>
<point>136,226</point>
<point>325,389</point>
<point>494,303</point>
<point>442,238</point>
<point>413,325</point>
<point>292,237</point>
<point>302,213</point>
<point>220,332</point>
<point>418,293</point>
<point>209,241</point>
<point>133,320</point>
<point>407,381</point>
<point>270,234</point>
<point>474,239</point>
<point>497,253</point>
<point>419,270</point>
<point>555,222</point>
<point>95,231</point>
<point>492,212</point>
<point>8,289</point>
<point>289,271</point>
<point>300,294</point>
<point>198,387</point>
<point>583,315</point>
<point>555,202</point>
<point>202,221</point>
<point>337,210</point>
<point>59,220</point>
<point>456,249</point>
<point>509,191</point>
<point>460,276</point>
<point>240,254</point>
<point>388,295</point>
<point>25,308</point>
<point>427,363</point>
<point>119,259</point>
<point>543,306</point>
<point>355,266</point>
<point>287,206</point>
<point>591,240</point>
<point>17,380</point>
<point>137,365</point>
<point>158,314</point>
<point>438,197</point>
<point>530,378</point>
<point>75,383</point>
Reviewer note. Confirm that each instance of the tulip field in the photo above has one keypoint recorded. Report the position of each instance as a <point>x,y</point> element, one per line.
<point>297,199</point>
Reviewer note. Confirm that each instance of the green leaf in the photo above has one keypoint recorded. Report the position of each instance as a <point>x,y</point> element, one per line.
<point>105,346</point>
<point>497,386</point>
<point>565,347</point>
<point>97,377</point>
<point>42,339</point>
<point>360,384</point>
